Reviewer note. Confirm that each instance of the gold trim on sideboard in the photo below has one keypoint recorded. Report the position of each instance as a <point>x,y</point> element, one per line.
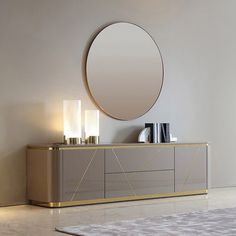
<point>42,148</point>
<point>117,199</point>
<point>113,146</point>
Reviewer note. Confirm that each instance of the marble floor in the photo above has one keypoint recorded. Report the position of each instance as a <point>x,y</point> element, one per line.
<point>28,220</point>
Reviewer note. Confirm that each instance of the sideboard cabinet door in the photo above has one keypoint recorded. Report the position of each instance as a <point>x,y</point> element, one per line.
<point>82,174</point>
<point>190,168</point>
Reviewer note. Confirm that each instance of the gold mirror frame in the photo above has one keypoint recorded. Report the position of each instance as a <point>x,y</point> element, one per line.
<point>124,71</point>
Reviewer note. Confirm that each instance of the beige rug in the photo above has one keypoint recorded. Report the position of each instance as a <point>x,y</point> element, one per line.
<point>202,223</point>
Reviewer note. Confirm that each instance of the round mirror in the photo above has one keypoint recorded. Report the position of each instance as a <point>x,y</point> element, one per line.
<point>124,71</point>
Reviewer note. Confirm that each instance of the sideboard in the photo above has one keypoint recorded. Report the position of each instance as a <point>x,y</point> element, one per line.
<point>65,175</point>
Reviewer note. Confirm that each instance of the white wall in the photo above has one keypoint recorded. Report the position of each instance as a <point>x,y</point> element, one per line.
<point>42,50</point>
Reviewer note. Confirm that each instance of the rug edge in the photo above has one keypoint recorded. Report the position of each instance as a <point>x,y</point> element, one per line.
<point>66,232</point>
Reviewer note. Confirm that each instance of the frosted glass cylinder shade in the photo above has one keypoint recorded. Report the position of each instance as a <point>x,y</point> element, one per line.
<point>72,119</point>
<point>91,123</point>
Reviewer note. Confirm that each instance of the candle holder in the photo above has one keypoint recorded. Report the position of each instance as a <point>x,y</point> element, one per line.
<point>72,121</point>
<point>92,126</point>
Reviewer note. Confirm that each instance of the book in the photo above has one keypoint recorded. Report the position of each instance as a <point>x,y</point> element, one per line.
<point>165,132</point>
<point>153,131</point>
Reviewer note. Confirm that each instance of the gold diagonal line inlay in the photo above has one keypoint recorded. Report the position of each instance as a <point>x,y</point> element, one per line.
<point>190,171</point>
<point>81,180</point>
<point>123,171</point>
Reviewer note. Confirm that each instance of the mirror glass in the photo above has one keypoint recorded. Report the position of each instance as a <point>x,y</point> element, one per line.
<point>124,71</point>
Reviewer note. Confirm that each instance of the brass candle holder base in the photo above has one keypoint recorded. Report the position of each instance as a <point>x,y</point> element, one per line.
<point>72,141</point>
<point>92,140</point>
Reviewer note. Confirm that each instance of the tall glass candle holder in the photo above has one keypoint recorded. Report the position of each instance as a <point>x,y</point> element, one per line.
<point>72,121</point>
<point>92,126</point>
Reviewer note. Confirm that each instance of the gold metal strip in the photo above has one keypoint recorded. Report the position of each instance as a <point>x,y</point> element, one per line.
<point>43,148</point>
<point>132,146</point>
<point>138,145</point>
<point>117,199</point>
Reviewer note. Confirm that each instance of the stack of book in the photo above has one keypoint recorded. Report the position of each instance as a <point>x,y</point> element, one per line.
<point>159,132</point>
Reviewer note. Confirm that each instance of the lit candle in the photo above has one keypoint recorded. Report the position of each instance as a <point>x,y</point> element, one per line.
<point>72,121</point>
<point>92,126</point>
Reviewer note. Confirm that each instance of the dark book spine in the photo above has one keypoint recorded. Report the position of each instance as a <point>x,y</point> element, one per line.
<point>165,132</point>
<point>151,126</point>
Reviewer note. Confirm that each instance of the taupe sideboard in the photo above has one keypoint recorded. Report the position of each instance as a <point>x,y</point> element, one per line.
<point>66,175</point>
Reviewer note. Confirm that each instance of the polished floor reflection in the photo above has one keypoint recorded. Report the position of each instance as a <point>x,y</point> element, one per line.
<point>31,220</point>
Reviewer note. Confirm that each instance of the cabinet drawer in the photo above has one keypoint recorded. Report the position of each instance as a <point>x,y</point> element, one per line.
<point>139,159</point>
<point>138,183</point>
